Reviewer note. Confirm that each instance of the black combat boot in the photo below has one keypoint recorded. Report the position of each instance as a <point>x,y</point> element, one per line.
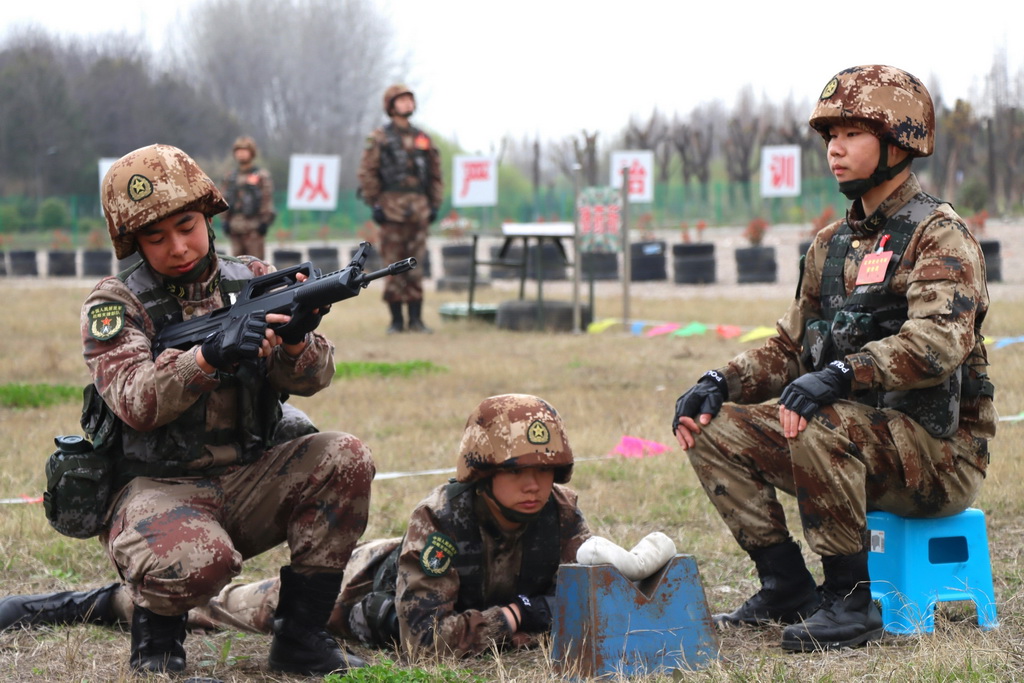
<point>301,642</point>
<point>847,617</point>
<point>397,322</point>
<point>415,318</point>
<point>158,642</point>
<point>51,609</point>
<point>788,592</point>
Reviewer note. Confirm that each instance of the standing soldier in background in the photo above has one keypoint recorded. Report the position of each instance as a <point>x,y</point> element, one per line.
<point>400,178</point>
<point>249,192</point>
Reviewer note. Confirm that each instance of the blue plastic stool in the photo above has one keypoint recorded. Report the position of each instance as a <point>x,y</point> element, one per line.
<point>916,563</point>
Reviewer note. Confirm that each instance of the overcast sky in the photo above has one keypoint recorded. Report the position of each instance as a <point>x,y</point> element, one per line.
<point>482,68</point>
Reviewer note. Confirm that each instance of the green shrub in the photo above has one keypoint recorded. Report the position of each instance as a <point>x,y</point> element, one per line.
<point>973,195</point>
<point>53,213</point>
<point>10,218</point>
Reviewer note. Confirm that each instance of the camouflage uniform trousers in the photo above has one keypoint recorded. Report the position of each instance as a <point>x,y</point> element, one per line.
<point>177,542</point>
<point>399,241</point>
<point>246,238</point>
<point>851,458</point>
<point>251,606</point>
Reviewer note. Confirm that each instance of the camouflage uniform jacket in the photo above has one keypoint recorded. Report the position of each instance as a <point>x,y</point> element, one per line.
<point>413,203</point>
<point>427,604</point>
<point>148,393</point>
<point>942,276</point>
<point>250,197</point>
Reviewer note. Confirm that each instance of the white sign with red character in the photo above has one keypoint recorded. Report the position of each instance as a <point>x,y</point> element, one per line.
<point>641,173</point>
<point>313,181</point>
<point>474,181</point>
<point>780,171</point>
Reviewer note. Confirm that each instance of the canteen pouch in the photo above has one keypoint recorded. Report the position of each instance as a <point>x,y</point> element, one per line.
<point>78,487</point>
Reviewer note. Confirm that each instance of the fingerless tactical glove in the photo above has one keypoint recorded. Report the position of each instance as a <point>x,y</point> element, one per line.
<point>706,396</point>
<point>295,332</point>
<point>808,393</point>
<point>241,340</point>
<point>535,613</point>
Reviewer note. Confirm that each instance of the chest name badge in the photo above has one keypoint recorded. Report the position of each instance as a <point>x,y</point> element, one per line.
<point>873,267</point>
<point>106,320</point>
<point>422,142</point>
<point>436,557</point>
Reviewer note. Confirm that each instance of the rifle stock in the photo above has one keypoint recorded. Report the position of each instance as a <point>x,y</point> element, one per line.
<point>281,292</point>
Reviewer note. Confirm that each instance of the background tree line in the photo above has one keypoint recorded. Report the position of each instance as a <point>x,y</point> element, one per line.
<point>307,77</point>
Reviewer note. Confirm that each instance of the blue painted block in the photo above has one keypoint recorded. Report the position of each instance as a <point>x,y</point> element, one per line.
<point>606,624</point>
<point>916,563</point>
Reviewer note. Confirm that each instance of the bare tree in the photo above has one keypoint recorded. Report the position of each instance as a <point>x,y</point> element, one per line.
<point>300,75</point>
<point>744,131</point>
<point>694,142</point>
<point>654,135</point>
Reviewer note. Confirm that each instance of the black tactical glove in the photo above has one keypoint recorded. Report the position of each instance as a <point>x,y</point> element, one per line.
<point>295,331</point>
<point>433,216</point>
<point>534,613</point>
<point>242,340</point>
<point>378,216</point>
<point>706,396</point>
<point>807,393</point>
<point>262,229</point>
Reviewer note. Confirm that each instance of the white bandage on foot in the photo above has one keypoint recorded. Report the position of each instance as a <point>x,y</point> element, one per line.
<point>646,557</point>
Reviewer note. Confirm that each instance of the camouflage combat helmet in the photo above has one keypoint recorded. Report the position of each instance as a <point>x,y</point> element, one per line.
<point>149,184</point>
<point>393,93</point>
<point>895,104</point>
<point>246,142</point>
<point>512,431</point>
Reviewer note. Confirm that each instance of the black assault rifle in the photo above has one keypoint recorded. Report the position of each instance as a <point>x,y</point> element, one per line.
<point>281,292</point>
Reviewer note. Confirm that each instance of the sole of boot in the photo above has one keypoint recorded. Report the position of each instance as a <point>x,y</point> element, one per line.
<point>726,620</point>
<point>811,645</point>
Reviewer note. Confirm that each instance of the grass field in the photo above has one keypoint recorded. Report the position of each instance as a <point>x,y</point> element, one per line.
<point>605,385</point>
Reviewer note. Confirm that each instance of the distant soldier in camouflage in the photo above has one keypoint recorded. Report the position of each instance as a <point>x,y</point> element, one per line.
<point>249,192</point>
<point>400,178</point>
<point>879,369</point>
<point>204,480</point>
<point>476,567</point>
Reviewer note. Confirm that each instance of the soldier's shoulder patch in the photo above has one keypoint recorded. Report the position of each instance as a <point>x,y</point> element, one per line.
<point>106,320</point>
<point>371,141</point>
<point>437,555</point>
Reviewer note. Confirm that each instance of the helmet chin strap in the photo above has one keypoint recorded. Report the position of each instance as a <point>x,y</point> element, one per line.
<point>855,189</point>
<point>201,266</point>
<point>508,513</point>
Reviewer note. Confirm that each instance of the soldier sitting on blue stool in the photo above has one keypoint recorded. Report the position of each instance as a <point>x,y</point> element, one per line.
<point>879,369</point>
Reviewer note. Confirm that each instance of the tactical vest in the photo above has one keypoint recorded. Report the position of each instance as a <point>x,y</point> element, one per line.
<point>398,165</point>
<point>245,198</point>
<point>872,312</point>
<point>168,450</point>
<point>541,552</point>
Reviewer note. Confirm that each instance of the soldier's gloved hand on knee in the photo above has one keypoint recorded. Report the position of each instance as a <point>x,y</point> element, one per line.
<point>242,340</point>
<point>378,215</point>
<point>807,393</point>
<point>704,397</point>
<point>534,613</point>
